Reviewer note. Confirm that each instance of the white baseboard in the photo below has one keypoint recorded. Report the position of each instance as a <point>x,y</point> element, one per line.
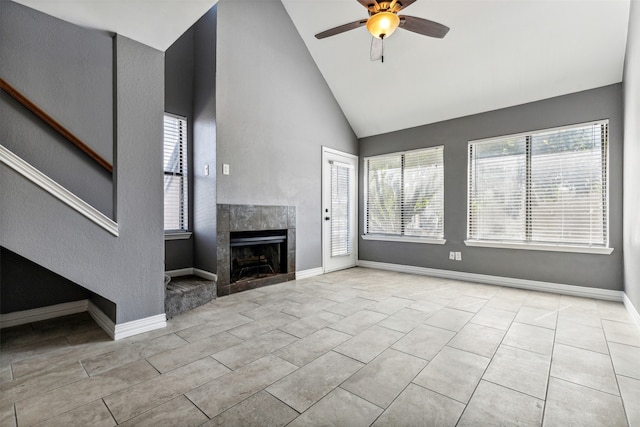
<point>127,329</point>
<point>305,274</point>
<point>135,327</point>
<point>180,272</point>
<point>116,332</point>
<point>205,274</point>
<point>101,319</point>
<point>192,271</point>
<point>558,288</point>
<point>633,312</point>
<point>43,313</point>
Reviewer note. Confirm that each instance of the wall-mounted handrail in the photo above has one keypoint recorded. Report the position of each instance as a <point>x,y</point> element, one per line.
<point>15,94</point>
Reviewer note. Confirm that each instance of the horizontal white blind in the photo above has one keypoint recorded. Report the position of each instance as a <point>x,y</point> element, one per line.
<point>548,187</point>
<point>405,194</point>
<point>497,189</point>
<point>341,240</point>
<point>175,173</point>
<point>568,186</point>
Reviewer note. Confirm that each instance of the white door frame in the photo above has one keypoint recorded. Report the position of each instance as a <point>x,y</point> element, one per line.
<point>325,152</point>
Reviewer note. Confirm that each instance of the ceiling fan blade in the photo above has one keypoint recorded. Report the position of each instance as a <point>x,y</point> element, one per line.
<point>341,29</point>
<point>404,3</point>
<point>423,26</point>
<point>367,3</point>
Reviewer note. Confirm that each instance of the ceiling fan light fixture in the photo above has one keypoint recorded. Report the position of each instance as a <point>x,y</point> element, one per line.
<point>382,24</point>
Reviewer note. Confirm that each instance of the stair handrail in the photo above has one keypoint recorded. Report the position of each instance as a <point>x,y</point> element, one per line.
<point>51,122</point>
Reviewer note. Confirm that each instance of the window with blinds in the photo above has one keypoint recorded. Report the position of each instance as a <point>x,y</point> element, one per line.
<point>341,240</point>
<point>175,173</point>
<point>405,194</point>
<point>547,187</point>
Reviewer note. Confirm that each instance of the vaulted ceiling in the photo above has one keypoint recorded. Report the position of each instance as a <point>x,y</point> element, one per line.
<point>498,53</point>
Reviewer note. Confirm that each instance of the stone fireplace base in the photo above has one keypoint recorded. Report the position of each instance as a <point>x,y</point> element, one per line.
<point>254,218</point>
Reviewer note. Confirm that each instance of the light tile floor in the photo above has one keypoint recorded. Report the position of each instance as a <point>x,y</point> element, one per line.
<point>357,347</point>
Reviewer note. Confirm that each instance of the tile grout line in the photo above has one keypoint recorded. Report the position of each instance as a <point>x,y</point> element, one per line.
<point>487,367</point>
<point>613,367</point>
<point>553,348</point>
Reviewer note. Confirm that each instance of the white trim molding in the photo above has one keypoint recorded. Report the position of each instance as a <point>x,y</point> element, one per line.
<point>56,190</point>
<point>135,327</point>
<point>126,329</point>
<point>43,313</point>
<point>633,312</point>
<point>190,271</point>
<point>534,285</point>
<point>101,319</point>
<point>305,274</point>
<point>116,332</point>
<point>177,235</point>
<point>205,274</point>
<point>540,247</point>
<point>403,239</point>
<point>180,272</point>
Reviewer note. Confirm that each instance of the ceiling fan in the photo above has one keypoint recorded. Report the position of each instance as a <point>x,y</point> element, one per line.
<point>383,21</point>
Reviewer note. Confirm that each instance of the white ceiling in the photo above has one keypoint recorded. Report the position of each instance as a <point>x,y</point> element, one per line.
<point>156,23</point>
<point>499,53</point>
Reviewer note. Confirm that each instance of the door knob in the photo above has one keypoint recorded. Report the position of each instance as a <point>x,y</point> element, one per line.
<point>326,218</point>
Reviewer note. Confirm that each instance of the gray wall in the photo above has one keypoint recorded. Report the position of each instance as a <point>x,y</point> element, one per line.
<point>274,113</point>
<point>178,99</point>
<point>204,142</point>
<point>127,270</point>
<point>55,64</point>
<point>25,285</point>
<point>631,155</point>
<point>599,271</point>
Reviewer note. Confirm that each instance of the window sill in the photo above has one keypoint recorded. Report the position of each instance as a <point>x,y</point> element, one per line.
<point>540,247</point>
<point>177,235</point>
<point>404,239</point>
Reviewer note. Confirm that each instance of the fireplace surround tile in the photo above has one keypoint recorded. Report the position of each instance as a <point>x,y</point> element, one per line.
<point>244,218</point>
<point>238,218</point>
<point>223,218</point>
<point>292,217</point>
<point>274,217</point>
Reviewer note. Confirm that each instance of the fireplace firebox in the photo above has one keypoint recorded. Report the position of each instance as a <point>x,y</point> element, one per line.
<point>258,254</point>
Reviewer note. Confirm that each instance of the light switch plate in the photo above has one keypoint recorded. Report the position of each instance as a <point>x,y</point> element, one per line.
<point>225,169</point>
<point>206,170</point>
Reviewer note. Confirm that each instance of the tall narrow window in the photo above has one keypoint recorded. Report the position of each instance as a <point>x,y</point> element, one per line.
<point>542,188</point>
<point>405,196</point>
<point>175,173</point>
<point>341,241</point>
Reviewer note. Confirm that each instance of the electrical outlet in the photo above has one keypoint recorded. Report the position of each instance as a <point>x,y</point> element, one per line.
<point>452,255</point>
<point>458,256</point>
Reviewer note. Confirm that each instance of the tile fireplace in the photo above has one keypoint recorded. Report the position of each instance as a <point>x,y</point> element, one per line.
<point>256,246</point>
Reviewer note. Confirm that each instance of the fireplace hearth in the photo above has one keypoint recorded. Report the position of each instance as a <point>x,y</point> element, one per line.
<point>256,246</point>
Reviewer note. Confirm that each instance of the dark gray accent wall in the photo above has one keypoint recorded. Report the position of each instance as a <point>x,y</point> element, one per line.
<point>598,271</point>
<point>127,270</point>
<point>55,64</point>
<point>25,285</point>
<point>631,83</point>
<point>178,99</point>
<point>204,142</point>
<point>274,114</point>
